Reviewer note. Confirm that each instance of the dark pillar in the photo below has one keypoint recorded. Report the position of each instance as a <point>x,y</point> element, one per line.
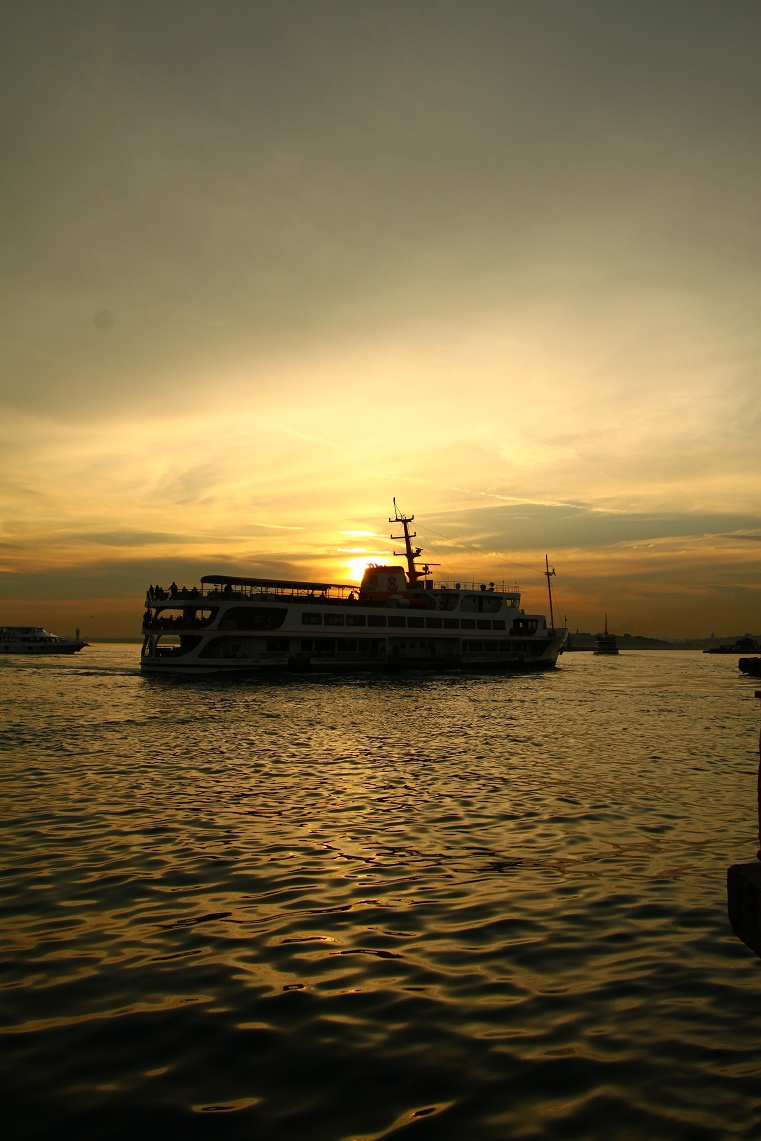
<point>744,887</point>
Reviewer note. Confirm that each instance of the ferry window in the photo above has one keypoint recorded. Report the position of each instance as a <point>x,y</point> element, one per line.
<point>253,618</point>
<point>451,623</point>
<point>498,623</point>
<point>396,621</point>
<point>166,617</point>
<point>435,623</point>
<point>334,619</point>
<point>416,622</point>
<point>349,646</point>
<point>226,647</point>
<point>355,620</point>
<point>483,624</point>
<point>311,618</point>
<point>376,620</point>
<point>187,642</point>
<point>485,603</point>
<point>278,644</point>
<point>307,644</point>
<point>468,623</point>
<point>325,646</point>
<point>524,626</point>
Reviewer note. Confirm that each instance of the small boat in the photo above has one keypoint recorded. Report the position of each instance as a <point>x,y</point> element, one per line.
<point>35,640</point>
<point>398,618</point>
<point>751,667</point>
<point>605,643</point>
<point>741,646</point>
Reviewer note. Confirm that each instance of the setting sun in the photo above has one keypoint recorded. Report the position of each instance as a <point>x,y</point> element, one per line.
<point>355,568</point>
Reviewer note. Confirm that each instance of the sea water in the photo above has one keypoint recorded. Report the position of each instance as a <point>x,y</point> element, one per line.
<point>332,908</point>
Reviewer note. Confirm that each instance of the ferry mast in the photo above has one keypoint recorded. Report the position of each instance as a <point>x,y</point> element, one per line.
<point>549,572</point>
<point>410,553</point>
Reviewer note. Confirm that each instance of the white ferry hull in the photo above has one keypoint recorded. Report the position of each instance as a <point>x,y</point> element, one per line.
<point>514,663</point>
<point>396,620</point>
<point>351,642</point>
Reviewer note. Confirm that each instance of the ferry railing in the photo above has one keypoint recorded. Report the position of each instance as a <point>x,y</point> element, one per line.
<point>333,593</point>
<point>184,595</point>
<point>459,585</point>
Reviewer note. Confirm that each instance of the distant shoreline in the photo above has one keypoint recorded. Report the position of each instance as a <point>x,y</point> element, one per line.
<point>624,644</point>
<point>671,646</point>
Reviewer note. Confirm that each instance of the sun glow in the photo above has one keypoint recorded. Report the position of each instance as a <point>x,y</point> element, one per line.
<point>356,567</point>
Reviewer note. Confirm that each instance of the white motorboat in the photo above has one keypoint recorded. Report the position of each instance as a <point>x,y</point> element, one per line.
<point>35,640</point>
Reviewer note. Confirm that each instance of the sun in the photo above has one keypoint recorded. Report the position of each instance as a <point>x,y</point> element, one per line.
<point>356,567</point>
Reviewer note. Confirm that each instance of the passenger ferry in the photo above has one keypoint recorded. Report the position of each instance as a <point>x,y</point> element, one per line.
<point>398,618</point>
<point>35,640</point>
<point>606,643</point>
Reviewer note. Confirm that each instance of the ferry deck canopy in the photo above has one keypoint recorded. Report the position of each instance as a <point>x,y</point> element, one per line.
<point>236,580</point>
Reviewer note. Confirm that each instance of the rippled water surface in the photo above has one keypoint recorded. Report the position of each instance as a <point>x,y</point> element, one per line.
<point>337,908</point>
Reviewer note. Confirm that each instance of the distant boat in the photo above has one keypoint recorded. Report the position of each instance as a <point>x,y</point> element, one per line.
<point>741,646</point>
<point>605,643</point>
<point>35,640</point>
<point>398,618</point>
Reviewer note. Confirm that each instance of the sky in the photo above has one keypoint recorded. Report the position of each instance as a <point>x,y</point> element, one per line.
<point>268,264</point>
